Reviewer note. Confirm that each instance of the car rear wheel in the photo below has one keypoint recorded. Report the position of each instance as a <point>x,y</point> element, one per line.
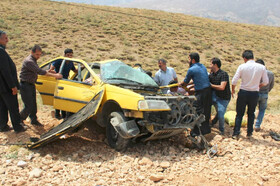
<point>114,139</point>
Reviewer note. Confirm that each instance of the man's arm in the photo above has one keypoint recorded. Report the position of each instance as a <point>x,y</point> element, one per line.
<point>6,72</point>
<point>233,90</point>
<point>56,75</point>
<point>271,85</point>
<point>222,86</point>
<point>265,79</point>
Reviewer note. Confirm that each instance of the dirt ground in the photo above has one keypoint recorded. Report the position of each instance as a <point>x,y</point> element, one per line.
<point>84,158</point>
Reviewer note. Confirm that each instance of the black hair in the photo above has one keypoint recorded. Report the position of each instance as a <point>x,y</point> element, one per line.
<point>248,54</point>
<point>138,64</point>
<point>149,73</point>
<point>216,61</point>
<point>36,48</point>
<point>2,33</point>
<point>172,82</point>
<point>162,60</point>
<point>68,50</point>
<point>194,56</point>
<point>260,61</point>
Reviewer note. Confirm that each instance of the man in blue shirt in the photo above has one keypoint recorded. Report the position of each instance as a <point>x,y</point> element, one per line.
<point>68,65</point>
<point>198,74</point>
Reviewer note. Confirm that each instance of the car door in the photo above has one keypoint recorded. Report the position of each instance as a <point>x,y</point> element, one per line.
<point>72,94</point>
<point>72,123</point>
<point>46,85</point>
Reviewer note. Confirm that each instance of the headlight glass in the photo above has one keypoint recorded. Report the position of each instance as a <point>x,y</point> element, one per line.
<point>152,105</point>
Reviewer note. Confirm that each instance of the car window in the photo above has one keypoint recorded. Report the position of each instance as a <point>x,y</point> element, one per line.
<point>116,72</point>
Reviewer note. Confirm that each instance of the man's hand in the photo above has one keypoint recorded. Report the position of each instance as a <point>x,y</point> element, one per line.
<point>59,76</point>
<point>14,91</point>
<point>51,71</point>
<point>232,93</point>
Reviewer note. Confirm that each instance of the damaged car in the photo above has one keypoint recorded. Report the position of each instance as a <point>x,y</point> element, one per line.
<point>125,101</point>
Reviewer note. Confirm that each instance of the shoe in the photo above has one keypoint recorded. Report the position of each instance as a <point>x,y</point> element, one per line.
<point>222,133</point>
<point>21,129</point>
<point>214,121</point>
<point>58,117</point>
<point>37,123</point>
<point>249,135</point>
<point>235,136</point>
<point>6,129</point>
<point>257,129</point>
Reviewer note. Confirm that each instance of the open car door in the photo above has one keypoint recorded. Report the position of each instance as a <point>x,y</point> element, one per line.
<point>72,94</point>
<point>73,122</point>
<point>46,85</point>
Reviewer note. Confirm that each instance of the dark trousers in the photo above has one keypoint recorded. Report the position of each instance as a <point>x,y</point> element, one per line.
<point>57,113</point>
<point>28,96</point>
<point>249,99</point>
<point>203,106</point>
<point>9,102</point>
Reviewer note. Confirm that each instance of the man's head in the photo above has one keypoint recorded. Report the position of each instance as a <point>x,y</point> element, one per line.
<point>215,64</point>
<point>173,89</point>
<point>260,61</point>
<point>68,53</point>
<point>36,51</point>
<point>137,65</point>
<point>162,64</point>
<point>3,38</point>
<point>247,55</point>
<point>193,58</point>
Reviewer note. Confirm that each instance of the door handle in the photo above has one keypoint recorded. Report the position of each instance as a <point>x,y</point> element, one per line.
<point>60,88</point>
<point>39,83</point>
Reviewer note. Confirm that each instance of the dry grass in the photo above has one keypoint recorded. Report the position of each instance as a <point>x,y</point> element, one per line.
<point>132,35</point>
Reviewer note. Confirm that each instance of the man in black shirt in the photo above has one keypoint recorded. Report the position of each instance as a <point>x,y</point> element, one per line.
<point>221,94</point>
<point>8,89</point>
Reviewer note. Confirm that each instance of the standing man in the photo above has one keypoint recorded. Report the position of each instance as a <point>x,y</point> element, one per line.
<point>263,96</point>
<point>8,89</point>
<point>198,73</point>
<point>219,81</point>
<point>65,73</point>
<point>250,74</point>
<point>164,75</point>
<point>28,77</point>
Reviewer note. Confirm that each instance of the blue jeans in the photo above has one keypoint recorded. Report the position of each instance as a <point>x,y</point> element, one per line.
<point>249,99</point>
<point>262,102</point>
<point>221,108</point>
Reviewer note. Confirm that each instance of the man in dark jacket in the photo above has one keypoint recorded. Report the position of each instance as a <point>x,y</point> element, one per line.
<point>28,76</point>
<point>8,89</point>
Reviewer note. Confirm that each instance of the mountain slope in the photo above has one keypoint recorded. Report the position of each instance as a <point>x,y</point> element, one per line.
<point>133,35</point>
<point>263,12</point>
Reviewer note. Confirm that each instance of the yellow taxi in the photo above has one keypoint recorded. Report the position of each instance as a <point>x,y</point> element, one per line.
<point>130,103</point>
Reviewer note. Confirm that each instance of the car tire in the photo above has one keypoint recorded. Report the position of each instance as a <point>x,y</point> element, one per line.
<point>114,139</point>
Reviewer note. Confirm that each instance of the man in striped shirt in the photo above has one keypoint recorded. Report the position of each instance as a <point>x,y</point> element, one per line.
<point>250,74</point>
<point>28,77</point>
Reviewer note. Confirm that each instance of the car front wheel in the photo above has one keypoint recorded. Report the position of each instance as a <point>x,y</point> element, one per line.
<point>114,139</point>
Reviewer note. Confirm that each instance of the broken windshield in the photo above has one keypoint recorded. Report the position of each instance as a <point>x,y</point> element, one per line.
<point>116,72</point>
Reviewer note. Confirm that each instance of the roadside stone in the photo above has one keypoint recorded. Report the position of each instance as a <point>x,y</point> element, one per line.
<point>165,164</point>
<point>21,164</point>
<point>57,168</point>
<point>156,177</point>
<point>35,173</point>
<point>140,178</point>
<point>265,178</point>
<point>145,161</point>
<point>19,183</point>
<point>2,171</point>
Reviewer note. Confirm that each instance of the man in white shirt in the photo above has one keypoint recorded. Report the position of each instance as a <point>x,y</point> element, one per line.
<point>250,74</point>
<point>164,75</point>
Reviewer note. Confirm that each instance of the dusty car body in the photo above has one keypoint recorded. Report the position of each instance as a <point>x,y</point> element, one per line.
<point>131,105</point>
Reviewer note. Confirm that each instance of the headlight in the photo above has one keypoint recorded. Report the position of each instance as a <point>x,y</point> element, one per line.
<point>153,105</point>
